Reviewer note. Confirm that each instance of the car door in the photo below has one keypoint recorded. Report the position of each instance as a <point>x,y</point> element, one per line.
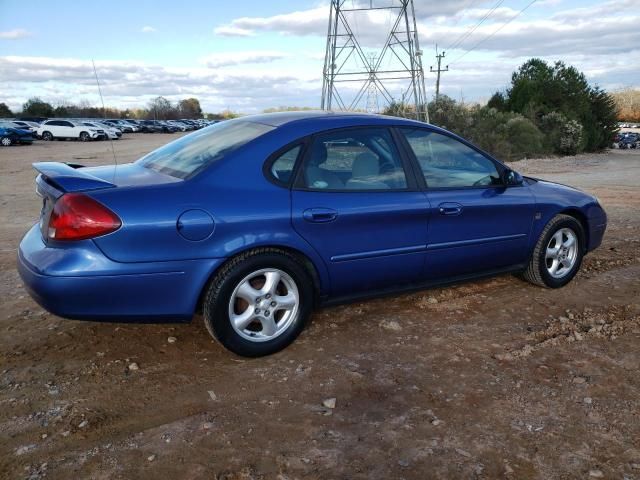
<point>357,204</point>
<point>67,129</point>
<point>52,126</point>
<point>478,224</point>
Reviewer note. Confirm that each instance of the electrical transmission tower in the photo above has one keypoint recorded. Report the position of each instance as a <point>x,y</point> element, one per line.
<point>352,73</point>
<point>372,90</point>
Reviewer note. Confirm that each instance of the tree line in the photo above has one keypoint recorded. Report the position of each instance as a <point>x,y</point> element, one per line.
<point>628,102</point>
<point>159,108</point>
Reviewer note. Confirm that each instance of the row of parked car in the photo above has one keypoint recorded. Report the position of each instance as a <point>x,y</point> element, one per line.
<point>626,140</point>
<point>25,131</point>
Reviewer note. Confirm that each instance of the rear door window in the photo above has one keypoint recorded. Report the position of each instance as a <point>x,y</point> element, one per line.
<point>354,159</point>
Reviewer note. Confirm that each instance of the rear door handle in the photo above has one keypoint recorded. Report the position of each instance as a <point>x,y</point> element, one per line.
<point>319,215</point>
<point>450,208</point>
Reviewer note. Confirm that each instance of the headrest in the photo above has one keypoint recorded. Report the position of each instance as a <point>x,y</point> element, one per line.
<point>318,154</point>
<point>365,165</point>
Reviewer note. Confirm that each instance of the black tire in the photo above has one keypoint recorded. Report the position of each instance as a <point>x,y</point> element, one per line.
<point>84,136</point>
<point>221,287</point>
<point>537,272</point>
<point>47,136</point>
<point>6,141</point>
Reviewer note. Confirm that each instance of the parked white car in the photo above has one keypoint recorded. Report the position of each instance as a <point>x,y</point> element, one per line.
<point>52,129</point>
<point>111,132</point>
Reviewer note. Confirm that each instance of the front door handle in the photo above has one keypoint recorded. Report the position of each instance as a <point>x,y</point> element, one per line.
<point>450,208</point>
<point>319,215</point>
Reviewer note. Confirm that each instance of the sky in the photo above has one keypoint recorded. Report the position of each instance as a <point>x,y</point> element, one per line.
<point>250,55</point>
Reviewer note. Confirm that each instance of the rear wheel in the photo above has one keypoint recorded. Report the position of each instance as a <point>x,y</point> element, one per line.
<point>6,141</point>
<point>47,136</point>
<point>259,302</point>
<point>558,253</point>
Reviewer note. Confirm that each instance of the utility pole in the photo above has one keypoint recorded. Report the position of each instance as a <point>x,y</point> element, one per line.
<point>438,70</point>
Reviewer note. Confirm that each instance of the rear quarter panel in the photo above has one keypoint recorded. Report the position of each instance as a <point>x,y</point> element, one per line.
<point>248,212</point>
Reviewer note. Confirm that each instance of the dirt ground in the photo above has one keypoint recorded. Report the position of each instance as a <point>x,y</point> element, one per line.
<point>489,379</point>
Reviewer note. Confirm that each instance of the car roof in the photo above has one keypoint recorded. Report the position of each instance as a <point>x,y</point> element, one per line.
<point>278,119</point>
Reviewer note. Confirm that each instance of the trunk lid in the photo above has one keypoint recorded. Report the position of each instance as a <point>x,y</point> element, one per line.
<point>55,179</point>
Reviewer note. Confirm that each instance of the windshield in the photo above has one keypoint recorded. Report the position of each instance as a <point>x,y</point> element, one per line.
<point>184,157</point>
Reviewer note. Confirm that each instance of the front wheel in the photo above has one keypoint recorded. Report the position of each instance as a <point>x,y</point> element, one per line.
<point>47,136</point>
<point>558,253</point>
<point>84,136</point>
<point>259,302</point>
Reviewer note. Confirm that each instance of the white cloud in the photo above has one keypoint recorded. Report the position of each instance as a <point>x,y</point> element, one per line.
<point>232,31</point>
<point>314,21</point>
<point>224,59</point>
<point>556,36</point>
<point>303,22</point>
<point>148,29</point>
<point>132,84</point>
<point>14,34</point>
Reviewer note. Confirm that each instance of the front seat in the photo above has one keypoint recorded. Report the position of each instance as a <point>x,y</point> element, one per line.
<point>366,174</point>
<point>317,177</point>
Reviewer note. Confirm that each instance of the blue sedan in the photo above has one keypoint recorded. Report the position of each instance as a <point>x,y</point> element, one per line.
<point>254,222</point>
<point>14,136</point>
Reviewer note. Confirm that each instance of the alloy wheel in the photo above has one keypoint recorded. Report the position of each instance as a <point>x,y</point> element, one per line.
<point>264,305</point>
<point>561,253</point>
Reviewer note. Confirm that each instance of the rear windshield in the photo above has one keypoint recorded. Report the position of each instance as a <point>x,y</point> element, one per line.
<point>191,153</point>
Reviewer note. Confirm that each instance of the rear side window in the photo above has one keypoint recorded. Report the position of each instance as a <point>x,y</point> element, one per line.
<point>189,154</point>
<point>282,167</point>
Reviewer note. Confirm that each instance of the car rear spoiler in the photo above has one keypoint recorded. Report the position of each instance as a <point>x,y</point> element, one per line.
<point>69,177</point>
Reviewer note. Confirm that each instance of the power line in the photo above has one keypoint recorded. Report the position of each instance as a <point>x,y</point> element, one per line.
<point>466,5</point>
<point>494,32</point>
<point>464,36</point>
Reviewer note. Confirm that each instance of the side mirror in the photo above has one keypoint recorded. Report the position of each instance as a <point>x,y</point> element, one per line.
<point>511,177</point>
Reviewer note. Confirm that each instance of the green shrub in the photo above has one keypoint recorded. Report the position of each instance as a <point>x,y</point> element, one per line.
<point>562,135</point>
<point>539,89</point>
<point>506,135</point>
<point>571,138</point>
<point>524,137</point>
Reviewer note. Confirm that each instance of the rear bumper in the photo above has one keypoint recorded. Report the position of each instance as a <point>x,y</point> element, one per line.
<point>79,282</point>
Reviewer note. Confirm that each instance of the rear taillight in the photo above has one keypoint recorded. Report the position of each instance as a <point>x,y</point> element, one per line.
<point>77,217</point>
